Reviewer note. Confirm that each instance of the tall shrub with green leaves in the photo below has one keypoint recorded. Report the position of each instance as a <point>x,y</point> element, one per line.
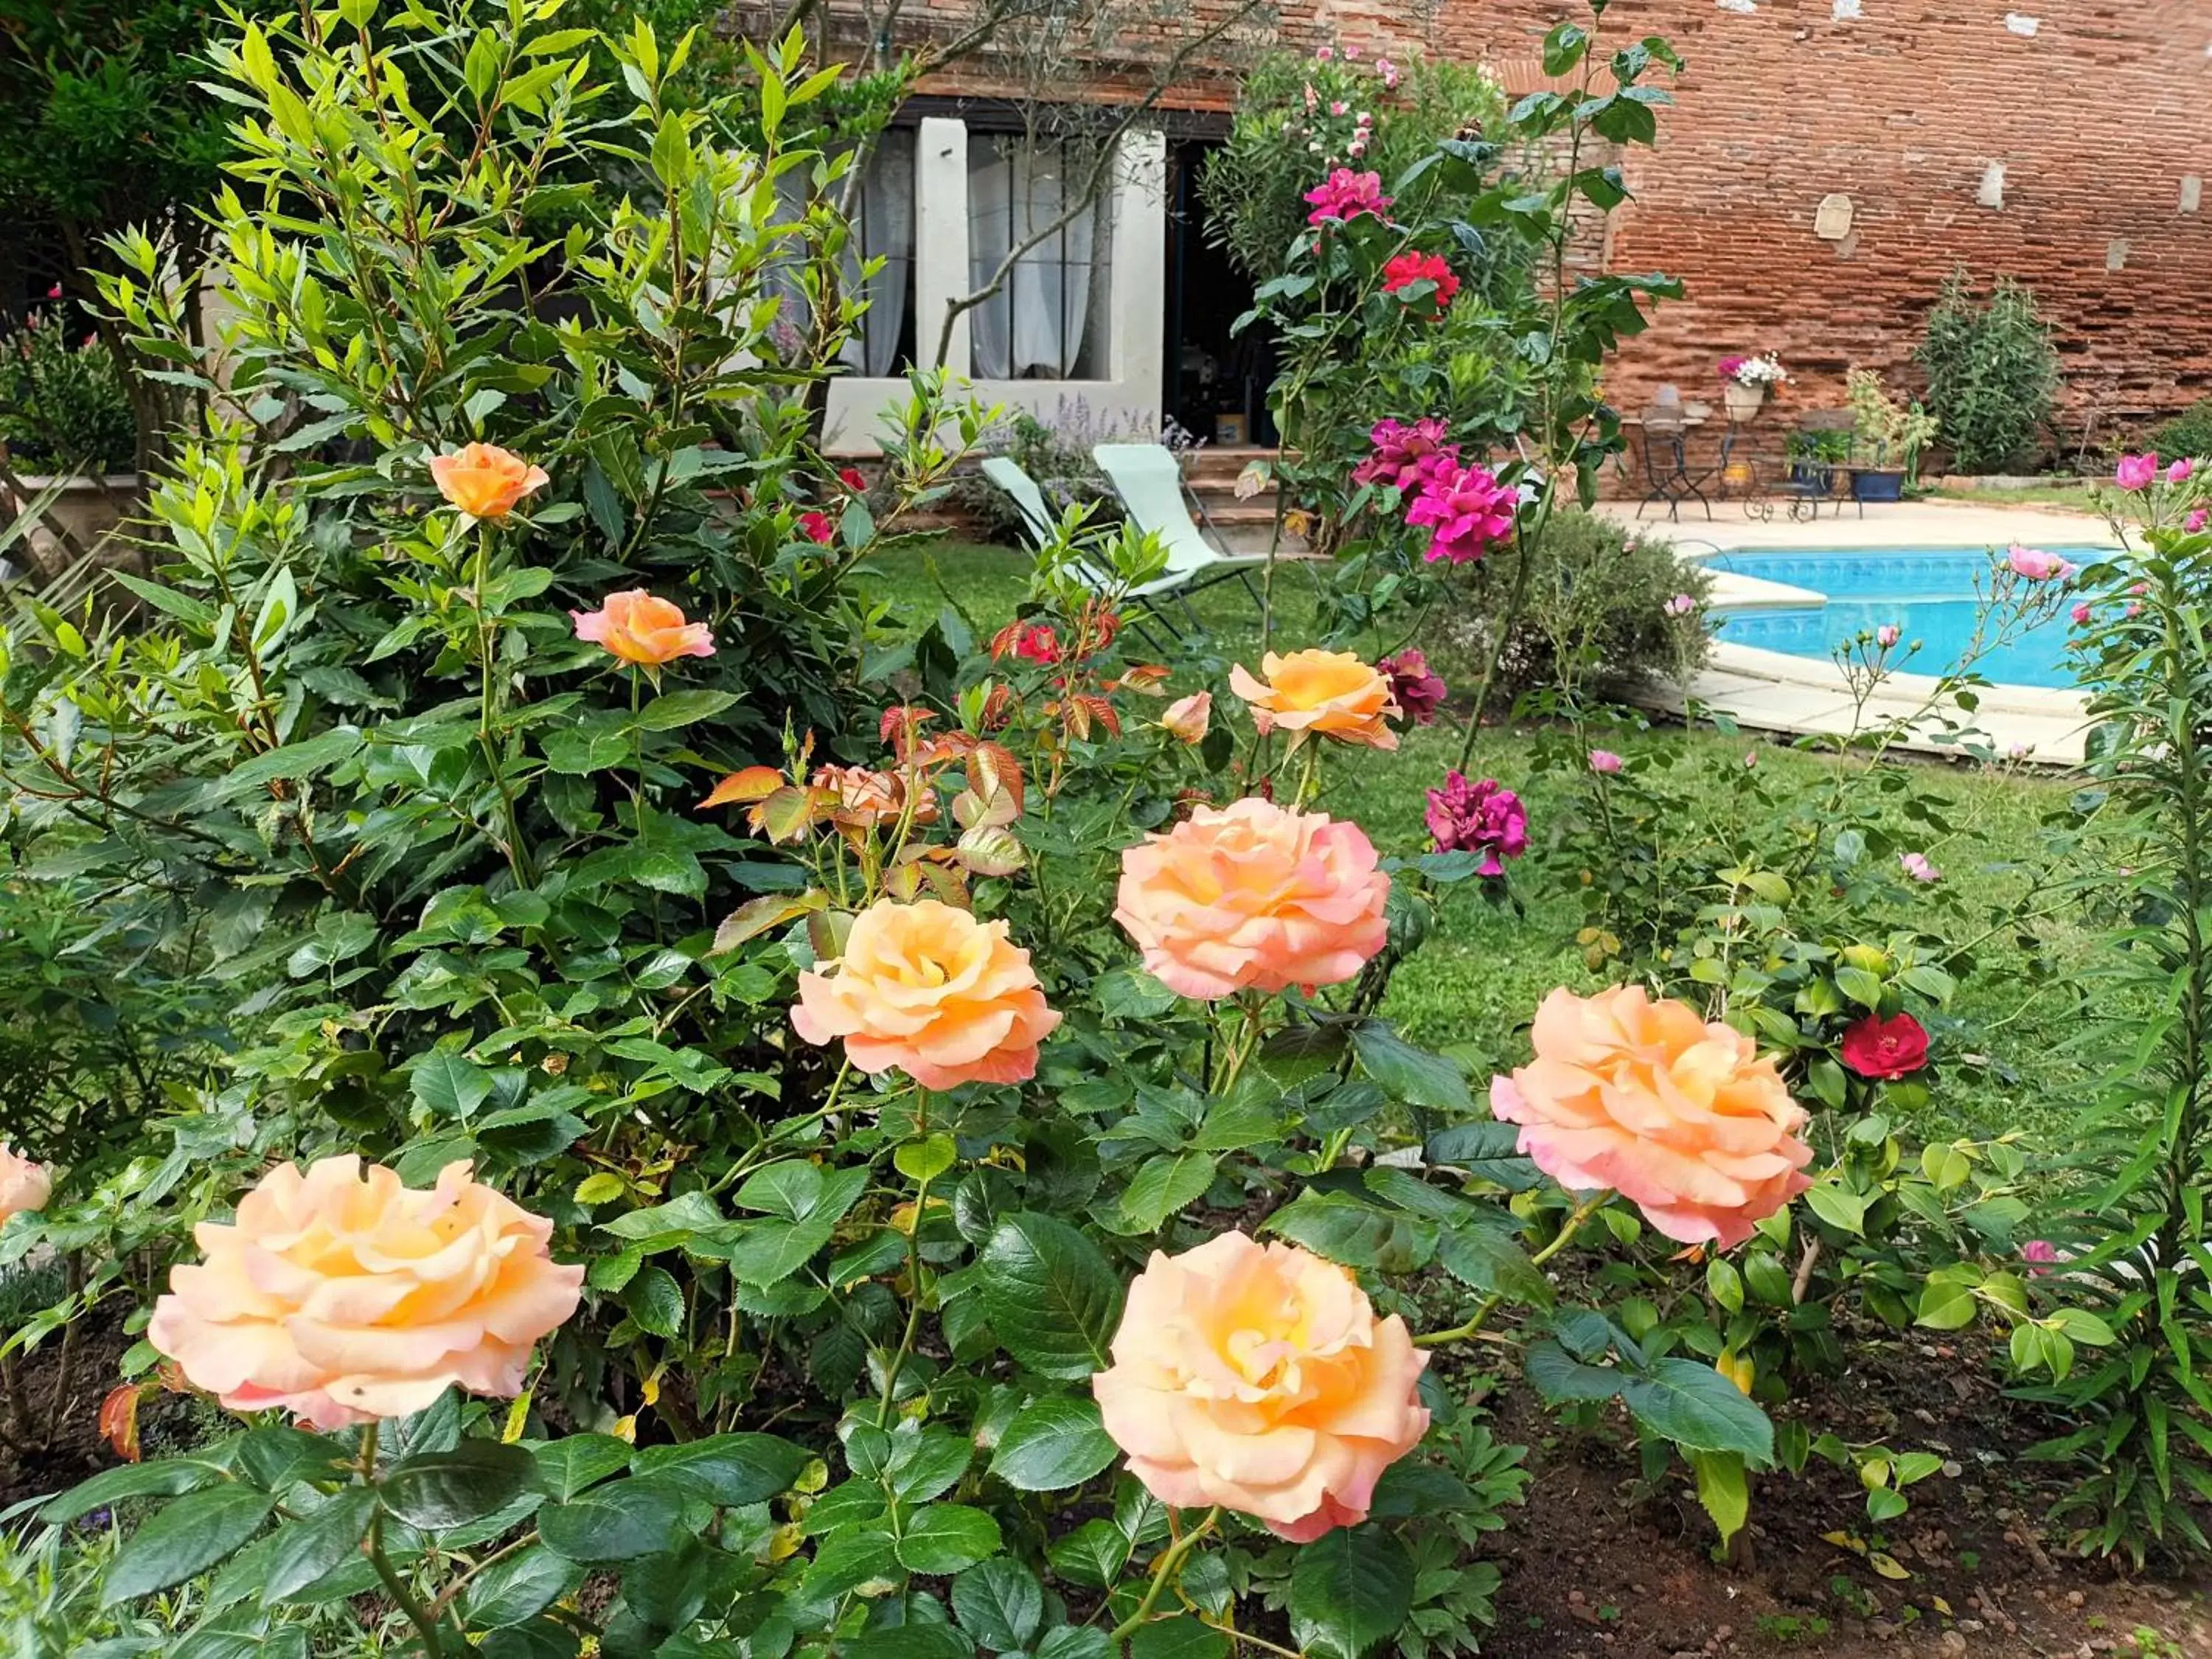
<point>2136,1243</point>
<point>1992,372</point>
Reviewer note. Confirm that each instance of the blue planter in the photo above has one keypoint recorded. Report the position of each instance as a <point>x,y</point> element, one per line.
<point>1884,486</point>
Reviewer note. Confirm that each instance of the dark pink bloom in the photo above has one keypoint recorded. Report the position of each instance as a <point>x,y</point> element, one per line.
<point>2137,472</point>
<point>2179,471</point>
<point>1419,692</point>
<point>1403,452</point>
<point>1482,816</point>
<point>1729,366</point>
<point>1345,195</point>
<point>2081,614</point>
<point>817,527</point>
<point>2196,520</point>
<point>853,479</point>
<point>55,292</point>
<point>1467,510</point>
<point>2039,1254</point>
<point>1604,760</point>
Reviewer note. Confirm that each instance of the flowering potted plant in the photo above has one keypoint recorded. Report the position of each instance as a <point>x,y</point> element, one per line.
<point>1747,378</point>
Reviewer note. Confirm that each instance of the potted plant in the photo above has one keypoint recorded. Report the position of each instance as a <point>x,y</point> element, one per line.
<point>67,436</point>
<point>1745,381</point>
<point>1888,436</point>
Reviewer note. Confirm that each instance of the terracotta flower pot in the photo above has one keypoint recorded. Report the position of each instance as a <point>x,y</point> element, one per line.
<point>1743,401</point>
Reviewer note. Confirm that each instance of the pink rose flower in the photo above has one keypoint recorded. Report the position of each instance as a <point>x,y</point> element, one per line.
<point>2196,520</point>
<point>1254,896</point>
<point>1345,195</point>
<point>2035,564</point>
<point>1322,54</point>
<point>1684,1119</point>
<point>2179,471</point>
<point>342,1296</point>
<point>2081,614</point>
<point>1338,106</point>
<point>1888,635</point>
<point>1604,761</point>
<point>1478,817</point>
<point>1680,605</point>
<point>2137,472</point>
<point>1403,453</point>
<point>1466,511</point>
<point>1258,1378</point>
<point>1915,864</point>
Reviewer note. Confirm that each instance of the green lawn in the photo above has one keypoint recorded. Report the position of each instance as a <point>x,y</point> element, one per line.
<point>1479,977</point>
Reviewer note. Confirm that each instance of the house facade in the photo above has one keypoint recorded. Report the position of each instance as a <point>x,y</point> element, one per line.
<point>1825,165</point>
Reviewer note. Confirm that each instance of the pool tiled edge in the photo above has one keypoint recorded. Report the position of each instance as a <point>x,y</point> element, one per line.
<point>1770,691</point>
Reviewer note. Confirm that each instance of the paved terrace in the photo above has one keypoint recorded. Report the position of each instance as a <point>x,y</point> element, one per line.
<point>1769,691</point>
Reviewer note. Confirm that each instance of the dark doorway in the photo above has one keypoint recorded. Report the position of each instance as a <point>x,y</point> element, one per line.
<point>1216,382</point>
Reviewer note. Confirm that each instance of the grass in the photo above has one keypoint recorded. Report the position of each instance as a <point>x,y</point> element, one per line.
<point>1475,984</point>
<point>2076,495</point>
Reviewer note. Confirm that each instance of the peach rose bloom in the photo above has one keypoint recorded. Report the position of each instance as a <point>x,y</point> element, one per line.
<point>1187,718</point>
<point>484,480</point>
<point>1253,897</point>
<point>1258,1377</point>
<point>639,628</point>
<point>342,1296</point>
<point>927,988</point>
<point>1331,692</point>
<point>25,1184</point>
<point>1685,1119</point>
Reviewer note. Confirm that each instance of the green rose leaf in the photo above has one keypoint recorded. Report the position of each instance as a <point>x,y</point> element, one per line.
<point>1052,1444</point>
<point>433,1489</point>
<point>324,1541</point>
<point>1350,1591</point>
<point>184,1540</point>
<point>1050,1296</point>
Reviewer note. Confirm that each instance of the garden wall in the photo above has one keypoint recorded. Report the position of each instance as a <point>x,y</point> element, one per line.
<point>2064,143</point>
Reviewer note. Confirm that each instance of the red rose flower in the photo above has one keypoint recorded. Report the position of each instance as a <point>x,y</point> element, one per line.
<point>817,527</point>
<point>853,479</point>
<point>1889,1048</point>
<point>1410,268</point>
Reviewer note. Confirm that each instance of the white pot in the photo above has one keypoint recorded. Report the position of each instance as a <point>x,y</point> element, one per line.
<point>1743,401</point>
<point>88,512</point>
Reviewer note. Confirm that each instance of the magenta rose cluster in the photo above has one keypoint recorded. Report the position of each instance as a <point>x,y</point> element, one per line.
<point>1465,509</point>
<point>1345,195</point>
<point>1479,816</point>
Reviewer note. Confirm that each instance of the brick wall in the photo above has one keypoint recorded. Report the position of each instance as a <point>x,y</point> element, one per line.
<point>2097,112</point>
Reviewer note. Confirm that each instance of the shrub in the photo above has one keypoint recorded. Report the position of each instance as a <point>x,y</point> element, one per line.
<point>2189,433</point>
<point>1594,612</point>
<point>62,408</point>
<point>1992,373</point>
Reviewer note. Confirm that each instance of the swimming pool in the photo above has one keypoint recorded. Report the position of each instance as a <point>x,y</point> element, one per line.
<point>1928,593</point>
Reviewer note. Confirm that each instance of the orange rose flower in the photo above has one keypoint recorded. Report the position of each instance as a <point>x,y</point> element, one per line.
<point>926,987</point>
<point>639,628</point>
<point>1253,897</point>
<point>1685,1119</point>
<point>342,1296</point>
<point>484,480</point>
<point>24,1183</point>
<point>1187,718</point>
<point>1329,692</point>
<point>1258,1377</point>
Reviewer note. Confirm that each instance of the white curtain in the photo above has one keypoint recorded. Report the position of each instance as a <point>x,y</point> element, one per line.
<point>1036,323</point>
<point>883,228</point>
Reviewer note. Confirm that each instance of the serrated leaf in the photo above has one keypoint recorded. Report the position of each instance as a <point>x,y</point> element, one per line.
<point>1053,1444</point>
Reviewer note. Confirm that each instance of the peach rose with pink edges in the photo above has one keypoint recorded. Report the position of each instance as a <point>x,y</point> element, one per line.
<point>343,1295</point>
<point>927,988</point>
<point>1685,1119</point>
<point>1254,896</point>
<point>1258,1377</point>
<point>638,629</point>
<point>1330,694</point>
<point>25,1184</point>
<point>484,480</point>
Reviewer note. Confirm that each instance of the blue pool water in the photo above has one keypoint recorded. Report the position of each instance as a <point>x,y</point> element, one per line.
<point>1928,593</point>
